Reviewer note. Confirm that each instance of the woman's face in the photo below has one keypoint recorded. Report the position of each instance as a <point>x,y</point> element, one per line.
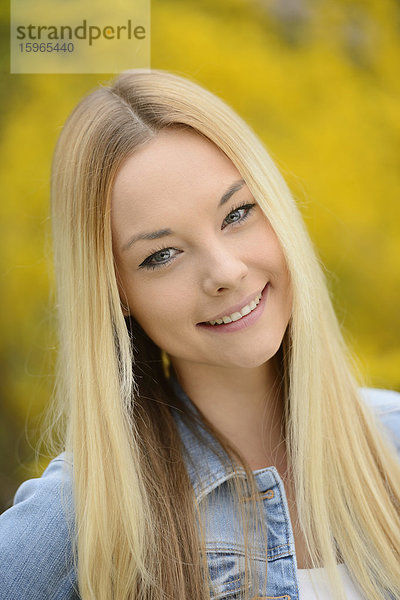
<point>203,250</point>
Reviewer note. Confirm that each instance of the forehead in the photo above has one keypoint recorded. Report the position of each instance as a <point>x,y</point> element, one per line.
<point>174,165</point>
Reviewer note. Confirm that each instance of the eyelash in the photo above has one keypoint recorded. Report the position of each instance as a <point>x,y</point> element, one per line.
<point>146,264</point>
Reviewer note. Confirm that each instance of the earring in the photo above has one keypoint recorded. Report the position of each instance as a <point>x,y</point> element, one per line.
<point>165,363</point>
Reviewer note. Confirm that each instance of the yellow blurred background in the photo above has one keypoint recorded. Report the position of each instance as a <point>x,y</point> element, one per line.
<point>317,81</point>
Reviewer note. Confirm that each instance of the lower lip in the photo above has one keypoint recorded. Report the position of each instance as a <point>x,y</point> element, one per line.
<point>245,321</point>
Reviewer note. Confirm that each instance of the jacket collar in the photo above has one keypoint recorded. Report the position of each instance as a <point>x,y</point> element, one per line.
<point>206,469</point>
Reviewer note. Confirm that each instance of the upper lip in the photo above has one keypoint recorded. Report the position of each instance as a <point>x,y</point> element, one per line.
<point>235,307</point>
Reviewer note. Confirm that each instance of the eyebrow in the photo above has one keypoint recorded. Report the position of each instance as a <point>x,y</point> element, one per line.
<point>154,235</point>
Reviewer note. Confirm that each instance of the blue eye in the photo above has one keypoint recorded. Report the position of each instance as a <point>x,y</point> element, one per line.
<point>161,257</point>
<point>236,211</point>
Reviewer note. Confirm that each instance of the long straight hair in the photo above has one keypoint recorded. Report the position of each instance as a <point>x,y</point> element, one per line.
<point>138,529</point>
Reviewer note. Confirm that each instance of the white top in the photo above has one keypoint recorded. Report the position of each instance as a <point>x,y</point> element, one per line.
<point>313,584</point>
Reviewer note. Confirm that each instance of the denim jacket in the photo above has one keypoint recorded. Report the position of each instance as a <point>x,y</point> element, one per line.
<point>35,549</point>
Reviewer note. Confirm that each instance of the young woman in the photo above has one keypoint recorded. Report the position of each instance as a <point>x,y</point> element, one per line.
<point>217,443</point>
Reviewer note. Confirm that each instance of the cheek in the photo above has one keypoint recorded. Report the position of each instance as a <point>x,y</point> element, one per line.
<point>276,263</point>
<point>269,250</point>
<point>264,241</point>
<point>160,306</point>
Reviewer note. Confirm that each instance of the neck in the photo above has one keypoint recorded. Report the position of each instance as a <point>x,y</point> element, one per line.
<point>245,405</point>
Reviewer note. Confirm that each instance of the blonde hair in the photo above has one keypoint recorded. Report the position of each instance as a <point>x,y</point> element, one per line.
<point>135,513</point>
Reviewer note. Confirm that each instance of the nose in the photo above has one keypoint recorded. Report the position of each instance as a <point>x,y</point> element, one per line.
<point>223,267</point>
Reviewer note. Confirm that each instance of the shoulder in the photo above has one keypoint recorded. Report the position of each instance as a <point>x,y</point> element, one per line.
<point>35,538</point>
<point>386,406</point>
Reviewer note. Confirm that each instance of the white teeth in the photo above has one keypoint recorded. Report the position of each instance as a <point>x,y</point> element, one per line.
<point>246,310</point>
<point>238,315</point>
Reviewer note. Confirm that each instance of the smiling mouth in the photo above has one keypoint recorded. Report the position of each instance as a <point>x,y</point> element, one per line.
<point>236,316</point>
